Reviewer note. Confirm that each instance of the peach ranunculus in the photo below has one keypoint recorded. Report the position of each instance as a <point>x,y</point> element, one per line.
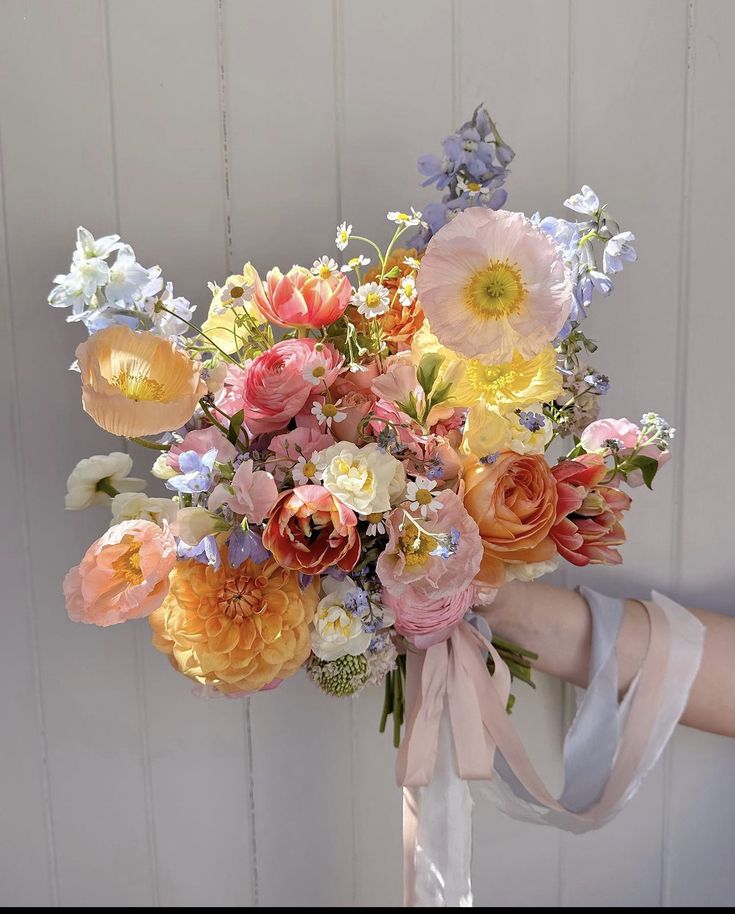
<point>310,530</point>
<point>237,629</point>
<point>300,299</point>
<point>123,575</point>
<point>137,383</point>
<point>271,389</point>
<point>353,391</point>
<point>433,557</point>
<point>589,514</point>
<point>493,284</point>
<point>514,501</point>
<point>425,620</point>
<point>252,493</point>
<point>202,440</point>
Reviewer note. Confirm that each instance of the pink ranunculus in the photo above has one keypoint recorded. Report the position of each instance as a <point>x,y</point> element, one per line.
<point>304,440</point>
<point>254,492</point>
<point>271,389</point>
<point>437,556</point>
<point>202,440</point>
<point>597,433</point>
<point>627,433</point>
<point>123,575</point>
<point>426,621</point>
<point>352,390</point>
<point>300,299</point>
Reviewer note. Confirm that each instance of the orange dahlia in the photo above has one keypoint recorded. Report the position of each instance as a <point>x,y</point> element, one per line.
<point>236,629</point>
<point>400,322</point>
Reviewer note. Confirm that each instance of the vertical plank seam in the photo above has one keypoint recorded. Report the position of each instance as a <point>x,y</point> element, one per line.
<point>338,88</point>
<point>456,68</point>
<point>567,693</point>
<point>31,599</point>
<point>224,131</point>
<point>247,721</point>
<point>680,402</point>
<point>138,639</point>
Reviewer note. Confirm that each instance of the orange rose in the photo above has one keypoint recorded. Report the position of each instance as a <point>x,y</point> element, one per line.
<point>309,530</point>
<point>400,322</point>
<point>513,501</point>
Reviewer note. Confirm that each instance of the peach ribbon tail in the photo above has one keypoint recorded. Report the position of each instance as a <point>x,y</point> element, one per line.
<point>449,687</point>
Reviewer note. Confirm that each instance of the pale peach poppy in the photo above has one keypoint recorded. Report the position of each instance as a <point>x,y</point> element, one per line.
<point>137,383</point>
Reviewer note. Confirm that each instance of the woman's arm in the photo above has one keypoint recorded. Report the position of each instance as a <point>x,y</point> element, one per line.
<point>556,624</point>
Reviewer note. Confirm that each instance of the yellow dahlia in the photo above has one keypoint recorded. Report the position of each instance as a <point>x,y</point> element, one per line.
<point>237,629</point>
<point>137,383</point>
<point>492,283</point>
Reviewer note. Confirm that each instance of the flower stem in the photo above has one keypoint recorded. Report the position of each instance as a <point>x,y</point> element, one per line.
<point>104,486</point>
<point>397,707</point>
<point>150,444</point>
<point>374,246</point>
<point>198,330</point>
<point>212,419</point>
<point>387,701</point>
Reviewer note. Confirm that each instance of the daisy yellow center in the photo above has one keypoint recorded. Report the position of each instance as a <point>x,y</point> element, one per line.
<point>424,497</point>
<point>416,545</point>
<point>242,596</point>
<point>138,386</point>
<point>325,271</point>
<point>329,410</point>
<point>319,371</point>
<point>473,187</point>
<point>495,291</point>
<point>375,517</point>
<point>127,566</point>
<point>372,300</point>
<point>309,469</point>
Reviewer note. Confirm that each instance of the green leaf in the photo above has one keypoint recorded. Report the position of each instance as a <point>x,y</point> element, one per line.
<point>442,393</point>
<point>235,425</point>
<point>648,467</point>
<point>428,370</point>
<point>392,274</point>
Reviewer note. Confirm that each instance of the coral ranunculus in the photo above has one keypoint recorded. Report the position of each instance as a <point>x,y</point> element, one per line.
<point>514,502</point>
<point>309,530</point>
<point>589,514</point>
<point>238,629</point>
<point>493,283</point>
<point>300,299</point>
<point>136,383</point>
<point>272,388</point>
<point>123,575</point>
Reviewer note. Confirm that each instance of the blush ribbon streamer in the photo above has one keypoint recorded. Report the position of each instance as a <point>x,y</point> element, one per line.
<point>458,731</point>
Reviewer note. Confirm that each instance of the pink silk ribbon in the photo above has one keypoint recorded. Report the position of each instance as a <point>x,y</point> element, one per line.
<point>453,675</point>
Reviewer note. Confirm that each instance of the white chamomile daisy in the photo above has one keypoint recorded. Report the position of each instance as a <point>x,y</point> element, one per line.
<point>412,218</point>
<point>305,471</point>
<point>371,299</point>
<point>473,188</point>
<point>327,413</point>
<point>343,236</point>
<point>315,369</point>
<point>412,262</point>
<point>376,522</point>
<point>419,493</point>
<point>360,261</point>
<point>236,291</point>
<point>325,267</point>
<point>407,290</point>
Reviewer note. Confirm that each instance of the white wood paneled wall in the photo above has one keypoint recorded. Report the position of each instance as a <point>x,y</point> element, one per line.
<point>208,132</point>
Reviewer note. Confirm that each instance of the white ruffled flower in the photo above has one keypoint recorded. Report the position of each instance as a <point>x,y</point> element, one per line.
<point>90,478</point>
<point>138,506</point>
<point>366,479</point>
<point>336,631</point>
<point>371,299</point>
<point>529,571</point>
<point>419,492</point>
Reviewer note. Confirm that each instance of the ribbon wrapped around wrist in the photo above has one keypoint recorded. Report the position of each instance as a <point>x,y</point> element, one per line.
<point>458,730</point>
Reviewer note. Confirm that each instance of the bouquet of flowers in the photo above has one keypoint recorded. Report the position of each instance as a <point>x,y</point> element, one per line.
<point>358,455</point>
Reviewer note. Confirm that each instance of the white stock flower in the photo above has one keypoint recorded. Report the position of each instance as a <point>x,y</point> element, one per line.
<point>127,276</point>
<point>366,479</point>
<point>586,201</point>
<point>337,632</point>
<point>138,506</point>
<point>87,481</point>
<point>88,247</point>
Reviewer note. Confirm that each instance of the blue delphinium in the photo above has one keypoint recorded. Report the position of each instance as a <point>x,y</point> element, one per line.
<point>245,544</point>
<point>206,552</point>
<point>472,169</point>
